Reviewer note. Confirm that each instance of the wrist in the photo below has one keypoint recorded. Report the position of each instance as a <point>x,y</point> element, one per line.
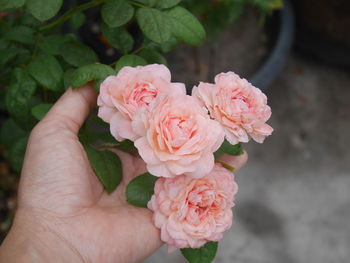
<point>29,240</point>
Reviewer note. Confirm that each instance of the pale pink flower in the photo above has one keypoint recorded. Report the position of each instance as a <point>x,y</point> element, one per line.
<point>192,211</point>
<point>240,108</point>
<point>121,96</point>
<point>177,137</point>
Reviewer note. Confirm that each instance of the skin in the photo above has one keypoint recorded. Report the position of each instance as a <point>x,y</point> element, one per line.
<point>63,214</point>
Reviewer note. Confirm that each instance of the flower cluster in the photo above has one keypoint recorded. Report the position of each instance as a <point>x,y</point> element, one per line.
<point>177,135</point>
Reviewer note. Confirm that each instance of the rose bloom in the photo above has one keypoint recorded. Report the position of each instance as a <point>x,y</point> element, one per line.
<point>241,108</point>
<point>121,96</point>
<point>177,137</point>
<point>192,211</point>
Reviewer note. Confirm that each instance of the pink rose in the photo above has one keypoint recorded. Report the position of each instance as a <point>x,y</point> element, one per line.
<point>192,211</point>
<point>177,137</point>
<point>121,96</point>
<point>241,108</point>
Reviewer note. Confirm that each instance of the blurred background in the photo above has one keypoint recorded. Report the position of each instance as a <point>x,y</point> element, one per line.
<point>293,203</point>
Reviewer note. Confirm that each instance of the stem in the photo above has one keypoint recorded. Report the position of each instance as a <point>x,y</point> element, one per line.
<point>138,50</point>
<point>138,4</point>
<point>70,12</point>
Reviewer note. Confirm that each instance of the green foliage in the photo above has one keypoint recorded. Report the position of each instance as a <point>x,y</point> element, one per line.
<point>140,190</point>
<point>107,167</point>
<point>205,254</point>
<point>44,9</point>
<point>153,56</point>
<point>130,60</point>
<point>185,26</point>
<point>154,24</point>
<point>52,44</point>
<point>116,13</point>
<point>77,54</point>
<point>8,4</point>
<point>77,20</point>
<point>10,132</point>
<point>230,149</point>
<point>39,111</point>
<point>20,34</point>
<point>167,3</point>
<point>47,71</point>
<point>16,154</point>
<point>118,38</point>
<point>90,72</point>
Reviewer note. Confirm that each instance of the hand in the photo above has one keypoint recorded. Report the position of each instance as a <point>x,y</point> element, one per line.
<point>63,213</point>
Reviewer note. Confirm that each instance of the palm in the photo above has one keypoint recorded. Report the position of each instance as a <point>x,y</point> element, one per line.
<point>60,184</point>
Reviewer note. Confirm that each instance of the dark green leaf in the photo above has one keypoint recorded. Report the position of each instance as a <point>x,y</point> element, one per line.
<point>47,71</point>
<point>107,166</point>
<point>44,9</point>
<point>140,190</point>
<point>7,4</point>
<point>148,3</point>
<point>22,88</point>
<point>230,149</point>
<point>126,146</point>
<point>68,77</point>
<point>118,38</point>
<point>77,54</point>
<point>169,45</point>
<point>130,60</point>
<point>7,54</point>
<point>77,20</point>
<point>91,72</point>
<point>21,34</point>
<point>52,44</point>
<point>154,24</point>
<point>26,19</point>
<point>152,56</point>
<point>39,111</point>
<point>205,254</point>
<point>10,132</point>
<point>117,12</point>
<point>185,26</point>
<point>167,3</point>
<point>16,154</point>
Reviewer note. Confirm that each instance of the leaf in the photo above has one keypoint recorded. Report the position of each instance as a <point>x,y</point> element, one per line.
<point>118,38</point>
<point>186,26</point>
<point>22,88</point>
<point>116,13</point>
<point>68,77</point>
<point>52,44</point>
<point>90,72</point>
<point>154,24</point>
<point>152,56</point>
<point>131,61</point>
<point>230,149</point>
<point>77,54</point>
<point>140,189</point>
<point>7,54</point>
<point>126,146</point>
<point>107,166</point>
<point>47,71</point>
<point>16,154</point>
<point>205,254</point>
<point>148,3</point>
<point>169,45</point>
<point>44,9</point>
<point>10,132</point>
<point>21,34</point>
<point>39,111</point>
<point>77,20</point>
<point>7,4</point>
<point>167,3</point>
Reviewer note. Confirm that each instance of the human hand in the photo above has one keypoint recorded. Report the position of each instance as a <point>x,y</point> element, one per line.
<point>63,214</point>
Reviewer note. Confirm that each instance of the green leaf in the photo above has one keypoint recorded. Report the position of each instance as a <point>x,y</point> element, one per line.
<point>107,166</point>
<point>52,44</point>
<point>140,190</point>
<point>152,56</point>
<point>186,26</point>
<point>126,146</point>
<point>21,34</point>
<point>77,54</point>
<point>91,72</point>
<point>10,132</point>
<point>39,111</point>
<point>7,54</point>
<point>154,24</point>
<point>22,89</point>
<point>230,149</point>
<point>47,71</point>
<point>148,3</point>
<point>44,9</point>
<point>68,77</point>
<point>167,3</point>
<point>16,154</point>
<point>131,61</point>
<point>7,4</point>
<point>117,12</point>
<point>205,254</point>
<point>77,20</point>
<point>169,45</point>
<point>118,38</point>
